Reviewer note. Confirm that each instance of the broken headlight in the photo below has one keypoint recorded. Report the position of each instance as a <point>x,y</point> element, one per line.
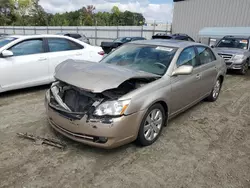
<point>112,108</point>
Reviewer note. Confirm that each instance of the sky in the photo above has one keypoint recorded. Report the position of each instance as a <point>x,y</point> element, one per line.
<point>159,10</point>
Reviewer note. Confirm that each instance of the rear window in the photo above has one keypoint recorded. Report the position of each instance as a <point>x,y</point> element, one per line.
<point>123,40</point>
<point>76,36</point>
<point>6,40</point>
<point>161,37</point>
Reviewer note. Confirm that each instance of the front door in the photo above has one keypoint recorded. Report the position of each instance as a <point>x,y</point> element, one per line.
<point>186,88</point>
<point>28,66</point>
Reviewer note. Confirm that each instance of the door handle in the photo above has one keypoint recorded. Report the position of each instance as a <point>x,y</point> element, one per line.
<point>198,76</point>
<point>42,59</point>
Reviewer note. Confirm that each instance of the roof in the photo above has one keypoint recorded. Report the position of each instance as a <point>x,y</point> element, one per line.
<point>129,37</point>
<point>223,31</point>
<point>165,42</point>
<point>36,36</point>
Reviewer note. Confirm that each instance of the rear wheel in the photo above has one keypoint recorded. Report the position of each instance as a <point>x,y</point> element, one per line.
<point>216,91</point>
<point>151,125</point>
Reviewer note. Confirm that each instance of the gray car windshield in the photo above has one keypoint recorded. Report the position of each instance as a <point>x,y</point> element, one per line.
<point>6,40</point>
<point>234,43</point>
<point>151,59</point>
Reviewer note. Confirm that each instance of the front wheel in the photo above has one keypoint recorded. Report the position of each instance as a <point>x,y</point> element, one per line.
<point>244,68</point>
<point>215,92</point>
<point>151,125</point>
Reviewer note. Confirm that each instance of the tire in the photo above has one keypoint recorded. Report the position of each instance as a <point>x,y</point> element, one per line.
<point>215,91</point>
<point>149,132</point>
<point>244,69</point>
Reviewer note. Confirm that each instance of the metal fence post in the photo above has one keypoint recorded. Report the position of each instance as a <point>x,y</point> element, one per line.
<point>61,29</point>
<point>23,30</point>
<point>77,29</point>
<point>142,31</point>
<point>14,30</point>
<point>154,28</point>
<point>4,29</point>
<point>95,35</point>
<point>35,30</point>
<point>47,30</point>
<point>117,32</point>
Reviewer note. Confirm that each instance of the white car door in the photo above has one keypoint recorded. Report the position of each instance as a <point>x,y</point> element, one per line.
<point>27,67</point>
<point>61,49</point>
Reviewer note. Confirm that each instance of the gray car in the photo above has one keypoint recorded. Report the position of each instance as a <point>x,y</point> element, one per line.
<point>133,92</point>
<point>236,52</point>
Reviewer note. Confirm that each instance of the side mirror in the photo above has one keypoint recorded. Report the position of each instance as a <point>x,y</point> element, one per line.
<point>7,53</point>
<point>183,70</point>
<point>212,46</point>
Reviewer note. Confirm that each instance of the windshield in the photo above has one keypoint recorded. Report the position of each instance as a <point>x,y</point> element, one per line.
<point>233,43</point>
<point>123,40</point>
<point>151,59</point>
<point>6,40</point>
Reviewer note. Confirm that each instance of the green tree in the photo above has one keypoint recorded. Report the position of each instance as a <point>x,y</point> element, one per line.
<point>30,12</point>
<point>5,12</point>
<point>116,15</point>
<point>21,9</point>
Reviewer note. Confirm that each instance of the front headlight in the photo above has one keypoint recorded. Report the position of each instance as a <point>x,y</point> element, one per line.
<point>238,57</point>
<point>112,108</point>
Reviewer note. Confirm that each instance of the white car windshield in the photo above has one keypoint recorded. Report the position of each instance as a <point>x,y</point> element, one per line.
<point>151,59</point>
<point>233,43</point>
<point>6,40</point>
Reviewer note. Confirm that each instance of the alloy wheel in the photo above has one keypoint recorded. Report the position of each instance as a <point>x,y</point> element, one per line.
<point>216,89</point>
<point>153,124</point>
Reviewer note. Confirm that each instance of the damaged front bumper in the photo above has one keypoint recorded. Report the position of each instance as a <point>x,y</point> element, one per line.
<point>109,132</point>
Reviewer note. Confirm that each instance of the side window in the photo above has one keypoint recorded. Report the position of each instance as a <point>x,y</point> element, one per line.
<point>205,55</point>
<point>28,47</point>
<point>58,45</point>
<point>188,57</point>
<point>75,46</point>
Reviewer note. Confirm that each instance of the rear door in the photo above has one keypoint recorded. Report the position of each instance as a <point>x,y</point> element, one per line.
<point>27,67</point>
<point>186,88</point>
<point>60,49</point>
<point>208,67</point>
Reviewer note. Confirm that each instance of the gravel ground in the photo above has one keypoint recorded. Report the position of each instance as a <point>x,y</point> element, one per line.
<point>207,146</point>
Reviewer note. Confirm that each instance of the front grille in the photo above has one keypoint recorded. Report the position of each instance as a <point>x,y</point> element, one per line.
<point>228,63</point>
<point>226,57</point>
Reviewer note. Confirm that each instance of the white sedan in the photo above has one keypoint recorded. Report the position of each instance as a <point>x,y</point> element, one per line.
<point>27,61</point>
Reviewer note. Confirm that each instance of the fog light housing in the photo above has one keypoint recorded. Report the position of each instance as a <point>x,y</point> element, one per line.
<point>101,140</point>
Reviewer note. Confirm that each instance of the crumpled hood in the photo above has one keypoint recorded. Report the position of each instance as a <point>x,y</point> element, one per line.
<point>233,51</point>
<point>96,77</point>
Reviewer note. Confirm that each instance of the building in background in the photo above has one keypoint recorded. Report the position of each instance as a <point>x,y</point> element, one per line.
<point>190,16</point>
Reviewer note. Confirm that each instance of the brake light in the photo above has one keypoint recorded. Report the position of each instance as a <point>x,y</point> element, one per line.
<point>101,53</point>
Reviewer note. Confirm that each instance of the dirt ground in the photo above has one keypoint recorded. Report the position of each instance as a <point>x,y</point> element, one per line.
<point>206,147</point>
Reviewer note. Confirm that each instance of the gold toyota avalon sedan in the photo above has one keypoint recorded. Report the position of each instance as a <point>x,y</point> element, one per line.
<point>132,92</point>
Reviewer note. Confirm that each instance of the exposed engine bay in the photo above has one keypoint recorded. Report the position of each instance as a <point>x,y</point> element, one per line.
<point>76,101</point>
